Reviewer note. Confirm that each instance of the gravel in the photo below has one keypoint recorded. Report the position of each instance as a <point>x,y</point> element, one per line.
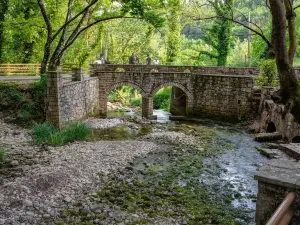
<point>44,180</point>
<point>103,123</point>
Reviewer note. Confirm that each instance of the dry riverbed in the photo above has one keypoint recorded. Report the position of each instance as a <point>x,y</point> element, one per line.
<point>130,172</point>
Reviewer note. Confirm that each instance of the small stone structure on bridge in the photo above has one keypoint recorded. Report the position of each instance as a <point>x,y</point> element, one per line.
<point>211,92</point>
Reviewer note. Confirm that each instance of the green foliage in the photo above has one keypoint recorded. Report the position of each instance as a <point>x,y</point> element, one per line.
<point>2,156</point>
<point>41,132</point>
<point>162,99</point>
<point>136,102</point>
<point>25,101</point>
<point>268,75</point>
<point>174,28</point>
<point>126,96</point>
<point>218,35</point>
<point>47,133</point>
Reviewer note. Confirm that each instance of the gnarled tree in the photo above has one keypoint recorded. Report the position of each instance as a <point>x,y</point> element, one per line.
<point>283,14</point>
<point>79,19</point>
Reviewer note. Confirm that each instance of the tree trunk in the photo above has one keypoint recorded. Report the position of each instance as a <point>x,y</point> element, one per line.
<point>3,10</point>
<point>289,87</point>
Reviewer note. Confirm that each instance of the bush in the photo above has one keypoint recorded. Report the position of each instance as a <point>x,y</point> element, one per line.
<point>136,101</point>
<point>24,101</point>
<point>162,99</point>
<point>268,75</point>
<point>45,132</point>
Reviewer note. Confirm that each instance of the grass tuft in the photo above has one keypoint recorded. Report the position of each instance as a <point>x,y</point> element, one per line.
<point>46,132</point>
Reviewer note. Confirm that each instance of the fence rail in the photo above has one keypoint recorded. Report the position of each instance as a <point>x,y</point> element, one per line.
<point>283,215</point>
<point>28,69</point>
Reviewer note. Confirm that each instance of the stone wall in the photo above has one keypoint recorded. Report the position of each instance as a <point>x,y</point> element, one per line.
<point>178,69</point>
<point>79,99</point>
<point>275,181</point>
<point>272,112</point>
<point>222,96</point>
<point>214,96</point>
<point>67,101</point>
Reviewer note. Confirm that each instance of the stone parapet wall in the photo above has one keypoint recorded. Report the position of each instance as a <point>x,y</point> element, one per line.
<point>220,97</point>
<point>213,96</point>
<point>275,180</point>
<point>79,100</point>
<point>172,69</point>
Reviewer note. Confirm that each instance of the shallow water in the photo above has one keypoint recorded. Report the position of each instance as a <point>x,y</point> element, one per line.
<point>162,116</point>
<point>227,172</point>
<point>236,167</point>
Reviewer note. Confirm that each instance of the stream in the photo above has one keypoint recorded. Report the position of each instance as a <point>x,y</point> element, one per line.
<point>202,173</point>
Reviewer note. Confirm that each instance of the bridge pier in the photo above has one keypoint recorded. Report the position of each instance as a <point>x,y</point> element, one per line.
<point>147,107</point>
<point>54,89</point>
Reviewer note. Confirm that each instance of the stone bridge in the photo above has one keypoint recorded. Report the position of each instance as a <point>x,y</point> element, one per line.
<point>211,92</point>
<point>208,92</point>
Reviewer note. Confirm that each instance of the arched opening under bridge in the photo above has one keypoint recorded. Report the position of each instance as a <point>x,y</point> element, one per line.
<point>124,100</point>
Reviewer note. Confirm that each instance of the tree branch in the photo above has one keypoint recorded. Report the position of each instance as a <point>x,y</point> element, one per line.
<point>240,23</point>
<point>74,18</point>
<point>64,32</point>
<point>87,27</point>
<point>208,54</point>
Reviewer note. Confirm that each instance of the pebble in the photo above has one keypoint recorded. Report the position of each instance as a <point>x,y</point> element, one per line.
<point>28,203</point>
<point>15,163</point>
<point>51,187</point>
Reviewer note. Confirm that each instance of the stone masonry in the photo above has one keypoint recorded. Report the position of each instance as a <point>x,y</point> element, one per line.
<point>275,180</point>
<point>214,92</point>
<point>69,101</point>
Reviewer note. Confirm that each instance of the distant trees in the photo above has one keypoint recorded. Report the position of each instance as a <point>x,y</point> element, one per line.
<point>174,29</point>
<point>3,11</point>
<point>79,19</point>
<point>219,34</point>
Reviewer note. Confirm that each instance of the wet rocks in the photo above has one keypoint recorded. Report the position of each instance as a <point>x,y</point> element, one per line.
<point>103,123</point>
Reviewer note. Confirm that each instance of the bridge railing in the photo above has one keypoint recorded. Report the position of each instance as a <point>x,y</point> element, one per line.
<point>283,215</point>
<point>29,69</point>
<point>174,69</point>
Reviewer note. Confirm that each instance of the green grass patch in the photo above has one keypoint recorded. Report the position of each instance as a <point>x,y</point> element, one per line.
<point>2,156</point>
<point>47,133</point>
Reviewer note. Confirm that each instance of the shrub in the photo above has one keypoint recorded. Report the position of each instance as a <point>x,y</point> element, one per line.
<point>268,75</point>
<point>45,132</point>
<point>24,101</point>
<point>136,101</point>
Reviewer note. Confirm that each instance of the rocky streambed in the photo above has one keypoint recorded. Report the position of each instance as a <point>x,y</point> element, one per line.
<point>132,172</point>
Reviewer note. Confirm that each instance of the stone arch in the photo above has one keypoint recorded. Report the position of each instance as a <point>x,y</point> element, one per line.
<point>189,95</point>
<point>172,84</point>
<point>124,83</point>
<point>271,128</point>
<point>296,139</point>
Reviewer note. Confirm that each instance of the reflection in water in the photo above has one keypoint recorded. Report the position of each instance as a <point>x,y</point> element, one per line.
<point>162,116</point>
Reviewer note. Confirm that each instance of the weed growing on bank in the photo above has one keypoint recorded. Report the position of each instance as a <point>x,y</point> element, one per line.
<point>47,133</point>
<point>25,102</point>
<point>2,156</point>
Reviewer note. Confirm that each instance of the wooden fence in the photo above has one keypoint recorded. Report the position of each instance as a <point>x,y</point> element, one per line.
<point>29,69</point>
